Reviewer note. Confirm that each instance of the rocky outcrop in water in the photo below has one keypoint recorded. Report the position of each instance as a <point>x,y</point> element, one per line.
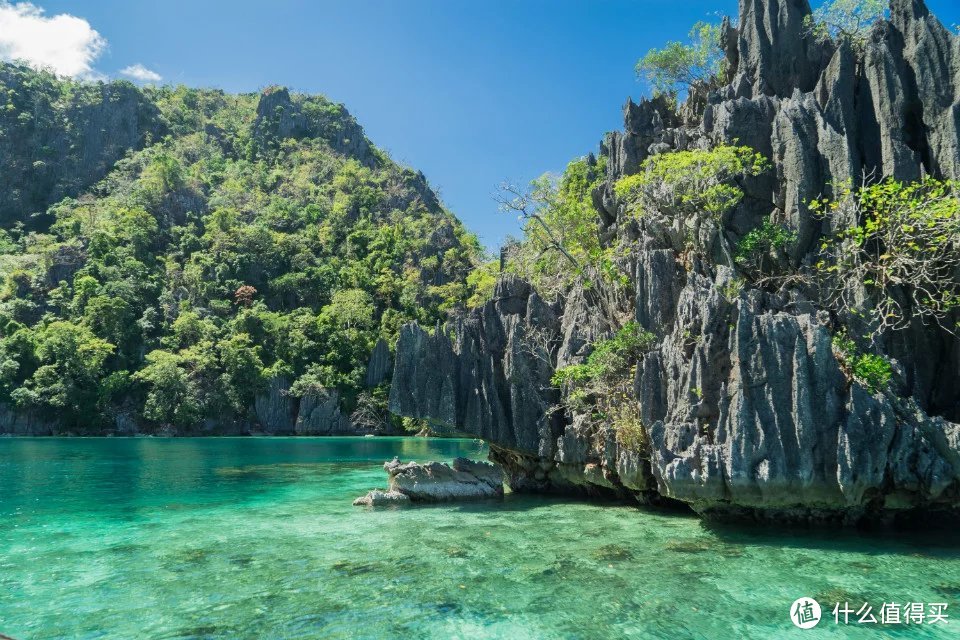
<point>437,482</point>
<point>746,410</point>
<point>490,385</point>
<point>380,498</point>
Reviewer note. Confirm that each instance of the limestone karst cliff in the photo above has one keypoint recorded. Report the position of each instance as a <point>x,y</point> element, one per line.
<point>744,405</point>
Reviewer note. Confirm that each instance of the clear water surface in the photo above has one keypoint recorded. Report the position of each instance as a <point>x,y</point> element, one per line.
<point>257,538</point>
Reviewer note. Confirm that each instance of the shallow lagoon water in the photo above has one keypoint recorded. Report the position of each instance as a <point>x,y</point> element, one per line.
<point>257,538</point>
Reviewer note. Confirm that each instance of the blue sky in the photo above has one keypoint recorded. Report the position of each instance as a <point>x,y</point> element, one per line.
<point>471,93</point>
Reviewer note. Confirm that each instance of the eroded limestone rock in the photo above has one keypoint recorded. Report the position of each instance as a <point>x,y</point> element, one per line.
<point>745,407</point>
<point>437,482</point>
<point>380,498</point>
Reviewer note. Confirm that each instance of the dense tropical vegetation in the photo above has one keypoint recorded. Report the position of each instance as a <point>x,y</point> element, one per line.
<point>167,253</point>
<point>245,238</point>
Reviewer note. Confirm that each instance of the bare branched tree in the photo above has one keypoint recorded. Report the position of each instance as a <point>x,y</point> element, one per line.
<point>529,206</point>
<point>540,343</point>
<point>369,414</point>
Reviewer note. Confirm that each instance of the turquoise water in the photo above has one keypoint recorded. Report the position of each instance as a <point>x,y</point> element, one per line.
<point>256,538</point>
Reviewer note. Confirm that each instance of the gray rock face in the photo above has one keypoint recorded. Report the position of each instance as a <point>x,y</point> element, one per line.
<point>774,56</point>
<point>824,117</point>
<point>437,482</point>
<point>744,404</point>
<point>315,414</point>
<point>931,56</point>
<point>319,414</point>
<point>64,263</point>
<point>486,374</point>
<point>379,365</point>
<point>275,408</point>
<point>408,187</point>
<point>18,423</point>
<point>281,116</point>
<point>789,432</point>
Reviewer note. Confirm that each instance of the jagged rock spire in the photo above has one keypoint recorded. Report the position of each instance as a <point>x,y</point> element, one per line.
<point>775,55</point>
<point>931,55</point>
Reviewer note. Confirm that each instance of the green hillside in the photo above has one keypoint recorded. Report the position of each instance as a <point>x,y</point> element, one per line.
<point>169,255</point>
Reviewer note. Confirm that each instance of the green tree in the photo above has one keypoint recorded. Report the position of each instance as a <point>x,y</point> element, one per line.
<point>350,308</point>
<point>481,282</point>
<point>111,318</point>
<point>17,356</point>
<point>904,248</point>
<point>692,182</point>
<point>171,396</point>
<point>162,175</point>
<point>71,362</point>
<point>869,369</point>
<point>242,370</point>
<point>601,388</point>
<point>757,245</point>
<point>85,287</point>
<point>561,228</point>
<point>845,19</point>
<point>679,66</point>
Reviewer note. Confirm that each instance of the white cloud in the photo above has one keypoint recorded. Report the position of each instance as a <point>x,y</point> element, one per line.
<point>141,73</point>
<point>66,44</point>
